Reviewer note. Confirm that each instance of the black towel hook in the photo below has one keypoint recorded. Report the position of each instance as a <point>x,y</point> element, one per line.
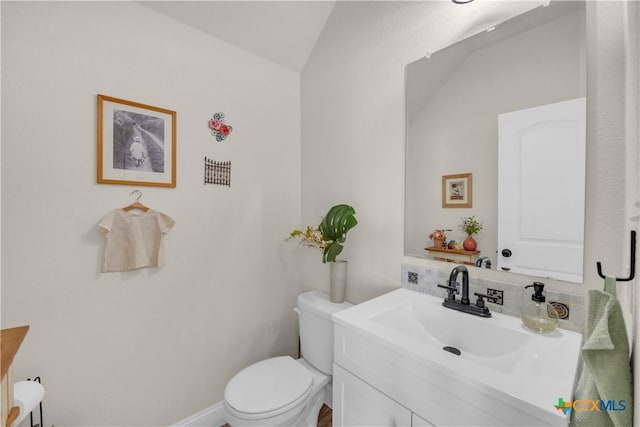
<point>632,272</point>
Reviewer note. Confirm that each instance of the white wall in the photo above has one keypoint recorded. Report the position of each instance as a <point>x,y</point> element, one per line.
<point>353,127</point>
<point>153,346</point>
<point>615,125</point>
<point>456,131</point>
<point>353,123</point>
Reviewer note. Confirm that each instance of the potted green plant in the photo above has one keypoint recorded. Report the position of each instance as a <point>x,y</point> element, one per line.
<point>329,236</point>
<point>334,227</point>
<point>471,226</point>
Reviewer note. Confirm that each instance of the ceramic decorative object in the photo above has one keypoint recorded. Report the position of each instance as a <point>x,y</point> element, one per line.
<point>471,226</point>
<point>470,244</point>
<point>338,280</point>
<point>439,238</point>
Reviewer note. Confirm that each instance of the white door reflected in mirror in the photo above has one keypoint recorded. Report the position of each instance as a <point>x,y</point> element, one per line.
<point>541,163</point>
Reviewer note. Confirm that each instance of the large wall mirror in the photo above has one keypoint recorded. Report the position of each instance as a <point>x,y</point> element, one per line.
<point>504,110</point>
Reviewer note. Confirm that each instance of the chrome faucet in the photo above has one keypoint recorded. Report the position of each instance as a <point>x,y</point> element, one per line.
<point>484,261</point>
<point>478,309</point>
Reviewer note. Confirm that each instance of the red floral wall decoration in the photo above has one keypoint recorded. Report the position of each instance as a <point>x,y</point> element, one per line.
<point>218,127</point>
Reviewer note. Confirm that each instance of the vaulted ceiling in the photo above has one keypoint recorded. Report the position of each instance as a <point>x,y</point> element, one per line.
<point>284,32</point>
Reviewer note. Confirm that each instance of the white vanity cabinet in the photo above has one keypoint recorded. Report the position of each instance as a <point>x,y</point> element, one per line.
<point>356,403</point>
<point>388,372</point>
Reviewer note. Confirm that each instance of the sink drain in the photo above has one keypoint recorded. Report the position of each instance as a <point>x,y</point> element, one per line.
<point>452,350</point>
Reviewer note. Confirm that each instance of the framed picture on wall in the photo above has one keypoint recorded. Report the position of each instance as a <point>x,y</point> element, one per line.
<point>457,191</point>
<point>136,143</point>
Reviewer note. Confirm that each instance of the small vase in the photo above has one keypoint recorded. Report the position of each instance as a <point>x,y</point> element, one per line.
<point>338,280</point>
<point>469,243</point>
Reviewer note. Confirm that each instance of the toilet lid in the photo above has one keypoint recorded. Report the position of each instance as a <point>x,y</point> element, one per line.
<point>268,385</point>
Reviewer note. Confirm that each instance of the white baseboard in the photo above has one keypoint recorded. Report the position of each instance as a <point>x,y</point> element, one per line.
<point>213,416</point>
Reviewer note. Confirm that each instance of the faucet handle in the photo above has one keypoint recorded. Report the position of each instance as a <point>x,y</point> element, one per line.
<point>480,300</point>
<point>451,291</point>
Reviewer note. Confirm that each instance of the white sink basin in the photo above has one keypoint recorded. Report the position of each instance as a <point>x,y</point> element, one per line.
<point>483,341</point>
<point>499,358</point>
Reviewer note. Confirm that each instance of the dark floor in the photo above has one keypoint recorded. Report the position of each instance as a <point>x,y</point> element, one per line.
<point>324,417</point>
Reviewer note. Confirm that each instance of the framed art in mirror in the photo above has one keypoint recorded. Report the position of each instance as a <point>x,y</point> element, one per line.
<point>136,143</point>
<point>457,191</point>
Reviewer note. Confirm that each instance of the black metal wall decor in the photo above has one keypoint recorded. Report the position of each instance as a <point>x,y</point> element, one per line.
<point>218,173</point>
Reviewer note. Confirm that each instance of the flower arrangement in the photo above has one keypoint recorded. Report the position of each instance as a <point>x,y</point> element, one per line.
<point>330,235</point>
<point>471,225</point>
<point>310,238</point>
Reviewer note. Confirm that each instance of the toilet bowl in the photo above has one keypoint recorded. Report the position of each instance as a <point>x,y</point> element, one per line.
<point>282,391</point>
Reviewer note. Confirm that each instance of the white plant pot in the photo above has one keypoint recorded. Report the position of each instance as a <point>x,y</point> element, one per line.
<point>338,280</point>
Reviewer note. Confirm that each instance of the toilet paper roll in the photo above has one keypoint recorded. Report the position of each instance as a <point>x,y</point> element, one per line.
<point>26,395</point>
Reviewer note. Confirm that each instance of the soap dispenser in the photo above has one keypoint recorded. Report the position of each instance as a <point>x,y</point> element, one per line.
<point>537,314</point>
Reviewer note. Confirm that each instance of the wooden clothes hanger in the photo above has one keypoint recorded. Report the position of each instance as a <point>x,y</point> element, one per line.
<point>136,204</point>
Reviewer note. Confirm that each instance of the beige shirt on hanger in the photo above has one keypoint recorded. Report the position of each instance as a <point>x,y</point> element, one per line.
<point>134,239</point>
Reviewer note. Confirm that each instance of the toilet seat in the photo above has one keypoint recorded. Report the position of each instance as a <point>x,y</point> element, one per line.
<point>268,388</point>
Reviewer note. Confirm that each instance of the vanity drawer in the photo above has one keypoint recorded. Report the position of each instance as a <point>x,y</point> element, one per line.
<point>356,403</point>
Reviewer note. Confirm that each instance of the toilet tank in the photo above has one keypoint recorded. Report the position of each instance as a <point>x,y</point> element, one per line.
<point>316,328</point>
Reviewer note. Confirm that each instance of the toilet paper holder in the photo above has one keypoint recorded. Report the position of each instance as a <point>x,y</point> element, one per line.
<point>41,424</point>
<point>40,405</point>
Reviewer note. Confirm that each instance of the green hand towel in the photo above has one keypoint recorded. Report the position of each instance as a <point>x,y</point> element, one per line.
<point>606,369</point>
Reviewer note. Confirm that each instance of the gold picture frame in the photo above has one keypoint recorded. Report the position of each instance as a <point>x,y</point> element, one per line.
<point>457,191</point>
<point>136,143</point>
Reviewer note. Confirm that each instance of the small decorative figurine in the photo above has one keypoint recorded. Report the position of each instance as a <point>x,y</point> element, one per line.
<point>439,238</point>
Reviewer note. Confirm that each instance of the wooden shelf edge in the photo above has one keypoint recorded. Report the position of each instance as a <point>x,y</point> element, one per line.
<point>451,251</point>
<point>10,341</point>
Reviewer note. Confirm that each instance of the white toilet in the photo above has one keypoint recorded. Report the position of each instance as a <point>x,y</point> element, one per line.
<point>282,391</point>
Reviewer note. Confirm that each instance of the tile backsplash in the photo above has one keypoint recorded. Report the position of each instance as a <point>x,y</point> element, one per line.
<point>425,279</point>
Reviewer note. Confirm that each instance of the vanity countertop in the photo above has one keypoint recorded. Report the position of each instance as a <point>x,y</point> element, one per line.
<point>499,359</point>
